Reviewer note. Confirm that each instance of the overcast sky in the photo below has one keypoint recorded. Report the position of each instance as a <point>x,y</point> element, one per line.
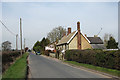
<point>39,18</point>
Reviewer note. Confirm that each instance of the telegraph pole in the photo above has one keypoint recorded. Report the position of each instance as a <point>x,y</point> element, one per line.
<point>17,42</point>
<point>21,34</point>
<point>24,44</point>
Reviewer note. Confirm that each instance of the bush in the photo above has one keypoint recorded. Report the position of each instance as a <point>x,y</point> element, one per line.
<point>117,60</point>
<point>107,59</point>
<point>47,52</point>
<point>8,58</point>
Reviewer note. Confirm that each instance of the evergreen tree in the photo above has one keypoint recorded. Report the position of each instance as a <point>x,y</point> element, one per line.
<point>36,46</point>
<point>47,41</point>
<point>111,44</point>
<point>40,45</point>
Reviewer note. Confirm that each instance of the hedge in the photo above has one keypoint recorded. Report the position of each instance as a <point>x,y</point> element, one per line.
<point>8,58</point>
<point>47,52</point>
<point>107,59</point>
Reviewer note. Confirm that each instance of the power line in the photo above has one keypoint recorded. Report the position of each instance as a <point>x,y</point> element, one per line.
<point>11,33</point>
<point>14,33</point>
<point>7,28</point>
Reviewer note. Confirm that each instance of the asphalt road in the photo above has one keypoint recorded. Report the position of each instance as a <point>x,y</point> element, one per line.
<point>42,67</point>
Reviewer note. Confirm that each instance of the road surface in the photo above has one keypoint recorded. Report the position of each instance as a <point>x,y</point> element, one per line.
<point>42,67</point>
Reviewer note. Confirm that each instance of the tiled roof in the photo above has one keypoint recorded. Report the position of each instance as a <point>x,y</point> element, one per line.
<point>95,40</point>
<point>98,46</point>
<point>66,38</point>
<point>92,40</point>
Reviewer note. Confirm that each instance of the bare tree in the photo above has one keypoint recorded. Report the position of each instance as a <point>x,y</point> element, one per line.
<point>6,46</point>
<point>106,38</point>
<point>56,34</point>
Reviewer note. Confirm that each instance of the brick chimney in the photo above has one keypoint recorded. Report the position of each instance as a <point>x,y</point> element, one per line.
<point>86,35</point>
<point>78,36</point>
<point>69,31</point>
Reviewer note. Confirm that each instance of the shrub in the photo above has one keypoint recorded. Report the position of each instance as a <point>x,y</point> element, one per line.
<point>107,59</point>
<point>117,60</point>
<point>47,52</point>
<point>8,58</point>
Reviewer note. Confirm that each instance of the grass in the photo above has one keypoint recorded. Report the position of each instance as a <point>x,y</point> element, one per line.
<point>18,69</point>
<point>101,69</point>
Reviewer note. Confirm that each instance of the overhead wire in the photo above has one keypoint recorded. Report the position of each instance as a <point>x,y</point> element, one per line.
<point>8,28</point>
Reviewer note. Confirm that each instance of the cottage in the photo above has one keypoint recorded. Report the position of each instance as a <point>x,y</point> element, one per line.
<point>77,40</point>
<point>51,47</point>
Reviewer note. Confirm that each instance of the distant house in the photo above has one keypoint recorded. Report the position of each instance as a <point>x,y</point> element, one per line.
<point>51,47</point>
<point>78,40</point>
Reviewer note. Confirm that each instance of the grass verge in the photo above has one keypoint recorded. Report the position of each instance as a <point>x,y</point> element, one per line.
<point>17,70</point>
<point>106,70</point>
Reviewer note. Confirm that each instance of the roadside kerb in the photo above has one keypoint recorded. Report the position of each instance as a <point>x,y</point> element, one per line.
<point>83,68</point>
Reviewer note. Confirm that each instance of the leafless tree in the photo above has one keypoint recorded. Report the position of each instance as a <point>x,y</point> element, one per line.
<point>106,38</point>
<point>56,34</point>
<point>6,46</point>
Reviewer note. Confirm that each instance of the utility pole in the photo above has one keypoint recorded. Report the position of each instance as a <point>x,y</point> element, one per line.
<point>21,34</point>
<point>24,44</point>
<point>16,42</point>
